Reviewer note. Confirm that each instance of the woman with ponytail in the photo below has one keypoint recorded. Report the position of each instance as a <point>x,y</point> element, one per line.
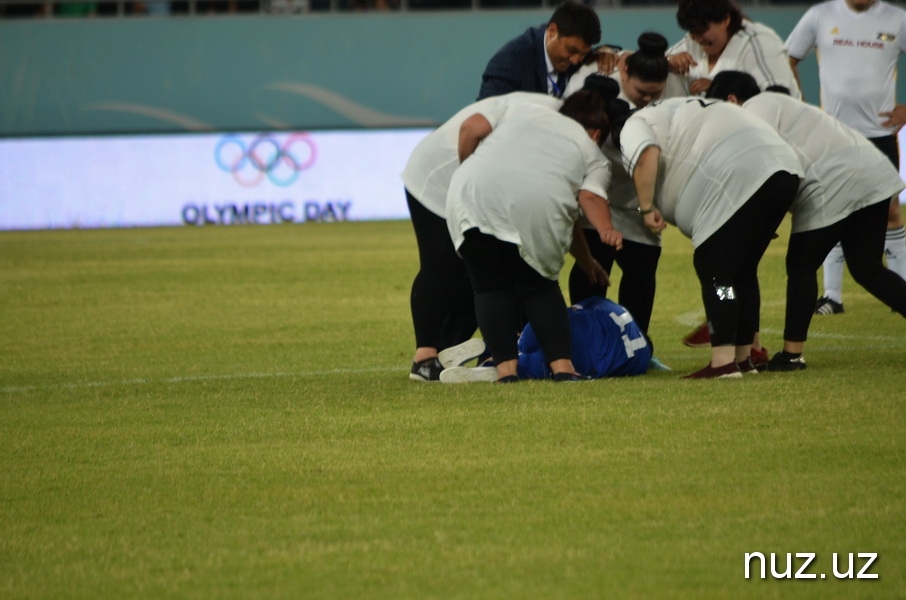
<point>643,77</point>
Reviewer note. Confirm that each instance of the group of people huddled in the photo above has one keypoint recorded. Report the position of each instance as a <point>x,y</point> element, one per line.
<point>593,151</point>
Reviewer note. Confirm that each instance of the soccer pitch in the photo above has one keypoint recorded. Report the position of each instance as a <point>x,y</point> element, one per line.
<point>226,413</point>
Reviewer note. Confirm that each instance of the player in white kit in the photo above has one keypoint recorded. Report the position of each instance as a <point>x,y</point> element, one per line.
<point>858,43</point>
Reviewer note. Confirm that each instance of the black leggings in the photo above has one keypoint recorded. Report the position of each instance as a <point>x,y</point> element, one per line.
<point>727,262</point>
<point>638,262</point>
<point>862,237</point>
<point>443,310</point>
<point>889,146</point>
<point>504,283</point>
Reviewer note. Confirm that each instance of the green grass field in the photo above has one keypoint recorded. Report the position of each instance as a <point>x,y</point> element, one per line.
<point>226,413</point>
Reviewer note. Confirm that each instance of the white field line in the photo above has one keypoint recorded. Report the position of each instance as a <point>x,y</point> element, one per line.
<point>692,318</point>
<point>192,378</point>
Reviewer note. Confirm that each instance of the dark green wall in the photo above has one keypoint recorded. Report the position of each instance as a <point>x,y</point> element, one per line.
<point>260,72</point>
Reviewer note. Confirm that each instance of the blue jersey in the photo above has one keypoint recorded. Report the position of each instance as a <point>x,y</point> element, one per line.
<point>606,342</point>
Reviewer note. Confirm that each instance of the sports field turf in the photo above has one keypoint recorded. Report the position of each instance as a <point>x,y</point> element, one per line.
<point>225,413</point>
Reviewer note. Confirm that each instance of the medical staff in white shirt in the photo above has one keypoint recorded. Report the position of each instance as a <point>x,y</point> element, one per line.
<point>441,302</point>
<point>725,179</point>
<point>844,195</point>
<point>512,208</point>
<point>719,38</point>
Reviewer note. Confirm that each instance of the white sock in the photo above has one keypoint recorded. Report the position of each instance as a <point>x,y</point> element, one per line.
<point>833,274</point>
<point>895,251</point>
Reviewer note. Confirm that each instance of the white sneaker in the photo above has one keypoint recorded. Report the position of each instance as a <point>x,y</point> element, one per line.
<point>469,375</point>
<point>460,354</point>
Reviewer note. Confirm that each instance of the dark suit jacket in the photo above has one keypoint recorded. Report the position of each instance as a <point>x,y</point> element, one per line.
<point>519,66</point>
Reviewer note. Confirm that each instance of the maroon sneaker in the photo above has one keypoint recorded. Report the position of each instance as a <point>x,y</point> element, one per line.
<point>747,367</point>
<point>725,372</point>
<point>699,338</point>
<point>759,358</point>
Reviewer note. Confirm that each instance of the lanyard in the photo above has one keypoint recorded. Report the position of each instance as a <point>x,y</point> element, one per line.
<point>556,88</point>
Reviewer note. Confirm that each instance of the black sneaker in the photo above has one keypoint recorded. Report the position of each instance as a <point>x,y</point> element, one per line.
<point>826,306</point>
<point>558,377</point>
<point>508,379</point>
<point>426,370</point>
<point>783,361</point>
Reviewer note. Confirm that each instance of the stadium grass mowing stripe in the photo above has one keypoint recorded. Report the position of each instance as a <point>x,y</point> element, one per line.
<point>895,342</point>
<point>228,481</point>
<point>194,378</point>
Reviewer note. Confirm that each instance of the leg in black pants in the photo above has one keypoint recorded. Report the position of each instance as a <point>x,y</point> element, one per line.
<point>443,312</point>
<point>503,281</point>
<point>862,237</point>
<point>727,264</point>
<point>638,284</point>
<point>863,246</point>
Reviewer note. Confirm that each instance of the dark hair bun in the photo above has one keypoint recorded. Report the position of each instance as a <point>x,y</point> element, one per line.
<point>602,85</point>
<point>652,43</point>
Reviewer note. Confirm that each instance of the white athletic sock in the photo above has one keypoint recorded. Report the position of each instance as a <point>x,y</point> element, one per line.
<point>833,274</point>
<point>895,251</point>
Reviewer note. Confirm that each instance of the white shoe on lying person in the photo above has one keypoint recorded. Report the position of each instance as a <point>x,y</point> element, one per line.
<point>460,354</point>
<point>469,375</point>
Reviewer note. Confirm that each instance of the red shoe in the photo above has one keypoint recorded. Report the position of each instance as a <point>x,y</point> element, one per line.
<point>699,338</point>
<point>729,370</point>
<point>759,358</point>
<point>747,367</point>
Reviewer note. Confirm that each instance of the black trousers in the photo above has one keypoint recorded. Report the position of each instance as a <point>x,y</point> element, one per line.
<point>505,286</point>
<point>638,262</point>
<point>862,236</point>
<point>727,262</point>
<point>889,146</point>
<point>443,310</point>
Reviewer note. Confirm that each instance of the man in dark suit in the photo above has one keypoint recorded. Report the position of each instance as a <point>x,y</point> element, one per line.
<point>543,58</point>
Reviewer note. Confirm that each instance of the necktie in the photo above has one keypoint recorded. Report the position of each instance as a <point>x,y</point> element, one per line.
<point>561,84</point>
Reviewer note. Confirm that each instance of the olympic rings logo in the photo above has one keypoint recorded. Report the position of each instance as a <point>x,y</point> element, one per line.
<point>265,157</point>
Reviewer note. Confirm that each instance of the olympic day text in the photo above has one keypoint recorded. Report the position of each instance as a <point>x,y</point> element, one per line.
<point>807,565</point>
<point>266,213</point>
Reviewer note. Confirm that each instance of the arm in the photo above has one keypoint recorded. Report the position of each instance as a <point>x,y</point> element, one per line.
<point>471,132</point>
<point>645,178</point>
<point>579,249</point>
<point>763,55</point>
<point>513,67</point>
<point>699,86</point>
<point>494,85</point>
<point>679,58</point>
<point>895,118</point>
<point>681,63</point>
<point>597,211</point>
<point>794,62</point>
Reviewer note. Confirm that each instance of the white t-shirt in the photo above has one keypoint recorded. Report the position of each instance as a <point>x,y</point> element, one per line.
<point>844,172</point>
<point>714,157</point>
<point>754,49</point>
<point>624,205</point>
<point>522,182</point>
<point>432,163</point>
<point>857,60</point>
